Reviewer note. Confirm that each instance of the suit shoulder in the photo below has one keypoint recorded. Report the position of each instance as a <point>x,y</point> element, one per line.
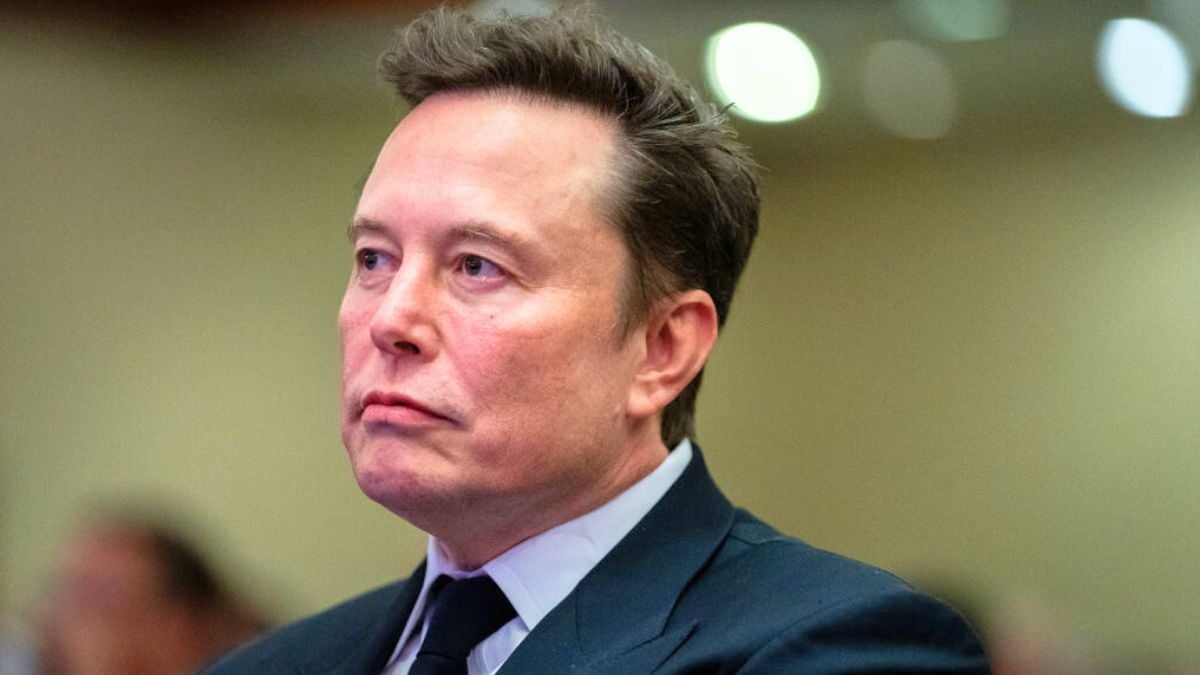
<point>775,604</point>
<point>787,579</point>
<point>896,631</point>
<point>779,560</point>
<point>331,630</point>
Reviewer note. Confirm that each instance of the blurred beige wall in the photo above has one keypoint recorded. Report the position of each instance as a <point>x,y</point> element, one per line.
<point>977,363</point>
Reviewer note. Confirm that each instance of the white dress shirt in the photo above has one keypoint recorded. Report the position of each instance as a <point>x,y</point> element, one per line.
<point>541,571</point>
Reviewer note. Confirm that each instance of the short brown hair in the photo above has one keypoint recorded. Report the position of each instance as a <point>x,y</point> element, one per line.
<point>687,202</point>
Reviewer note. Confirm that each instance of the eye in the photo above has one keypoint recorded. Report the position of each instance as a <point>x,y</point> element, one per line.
<point>369,259</point>
<point>475,266</point>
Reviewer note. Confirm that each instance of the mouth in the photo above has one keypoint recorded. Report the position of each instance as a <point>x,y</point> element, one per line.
<point>397,409</point>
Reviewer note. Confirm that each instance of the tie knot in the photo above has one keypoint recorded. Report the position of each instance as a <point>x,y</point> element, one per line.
<point>465,611</point>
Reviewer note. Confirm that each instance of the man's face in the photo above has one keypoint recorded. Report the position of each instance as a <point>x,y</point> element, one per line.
<point>483,371</point>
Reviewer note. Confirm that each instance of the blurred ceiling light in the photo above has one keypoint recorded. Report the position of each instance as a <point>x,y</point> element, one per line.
<point>909,90</point>
<point>958,20</point>
<point>766,72</point>
<point>1144,68</point>
<point>496,8</point>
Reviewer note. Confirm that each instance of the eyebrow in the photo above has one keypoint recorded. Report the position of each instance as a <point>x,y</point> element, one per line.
<point>471,230</point>
<point>362,225</point>
<point>479,230</point>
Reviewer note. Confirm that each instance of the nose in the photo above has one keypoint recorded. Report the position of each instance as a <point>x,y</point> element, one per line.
<point>404,321</point>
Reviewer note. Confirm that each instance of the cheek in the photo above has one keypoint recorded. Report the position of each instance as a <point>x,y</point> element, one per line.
<point>354,332</point>
<point>350,315</point>
<point>531,370</point>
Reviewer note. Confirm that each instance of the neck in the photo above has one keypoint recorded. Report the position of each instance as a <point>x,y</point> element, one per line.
<point>470,544</point>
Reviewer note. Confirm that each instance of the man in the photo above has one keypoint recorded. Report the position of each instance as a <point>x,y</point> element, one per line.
<point>544,252</point>
<point>130,597</point>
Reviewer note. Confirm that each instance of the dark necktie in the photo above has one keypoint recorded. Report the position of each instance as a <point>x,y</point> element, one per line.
<point>464,613</point>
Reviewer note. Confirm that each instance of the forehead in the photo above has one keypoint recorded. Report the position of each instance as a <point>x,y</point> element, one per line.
<point>535,152</point>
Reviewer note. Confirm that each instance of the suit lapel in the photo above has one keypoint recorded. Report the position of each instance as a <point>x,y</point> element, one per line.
<point>374,646</point>
<point>617,614</point>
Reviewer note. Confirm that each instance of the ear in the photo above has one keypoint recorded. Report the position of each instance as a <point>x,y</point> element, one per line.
<point>679,335</point>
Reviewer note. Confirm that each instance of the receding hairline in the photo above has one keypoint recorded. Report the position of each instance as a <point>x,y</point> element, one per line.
<point>521,93</point>
<point>611,184</point>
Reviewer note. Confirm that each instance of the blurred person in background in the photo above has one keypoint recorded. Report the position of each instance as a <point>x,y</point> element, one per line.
<point>543,254</point>
<point>131,597</point>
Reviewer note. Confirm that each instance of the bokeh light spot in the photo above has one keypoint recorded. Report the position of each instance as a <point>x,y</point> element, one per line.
<point>1144,68</point>
<point>766,72</point>
<point>909,90</point>
<point>958,20</point>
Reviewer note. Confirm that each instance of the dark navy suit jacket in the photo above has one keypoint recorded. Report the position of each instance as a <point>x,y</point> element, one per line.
<point>697,587</point>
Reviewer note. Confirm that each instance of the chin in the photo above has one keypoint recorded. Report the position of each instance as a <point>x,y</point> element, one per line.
<point>396,487</point>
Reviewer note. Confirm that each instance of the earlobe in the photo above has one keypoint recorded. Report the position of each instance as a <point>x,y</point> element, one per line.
<point>679,335</point>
